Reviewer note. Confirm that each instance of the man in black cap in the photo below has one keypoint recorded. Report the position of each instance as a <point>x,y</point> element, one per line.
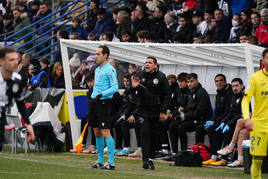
<point>104,23</point>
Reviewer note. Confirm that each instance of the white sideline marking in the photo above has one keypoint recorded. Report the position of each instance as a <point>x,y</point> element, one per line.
<point>40,161</point>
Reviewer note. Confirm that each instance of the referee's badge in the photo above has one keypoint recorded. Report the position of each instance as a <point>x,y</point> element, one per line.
<point>103,124</point>
<point>143,80</point>
<point>155,81</point>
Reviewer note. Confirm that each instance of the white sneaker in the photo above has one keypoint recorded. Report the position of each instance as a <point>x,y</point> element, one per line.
<point>236,163</point>
<point>225,151</point>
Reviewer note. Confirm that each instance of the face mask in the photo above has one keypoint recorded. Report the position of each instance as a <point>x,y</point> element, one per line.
<point>235,23</point>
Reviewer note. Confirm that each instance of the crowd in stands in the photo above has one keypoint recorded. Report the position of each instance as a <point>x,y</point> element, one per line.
<point>169,21</point>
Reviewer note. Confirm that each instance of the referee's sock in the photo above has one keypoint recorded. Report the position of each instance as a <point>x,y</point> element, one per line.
<point>110,146</point>
<point>100,148</point>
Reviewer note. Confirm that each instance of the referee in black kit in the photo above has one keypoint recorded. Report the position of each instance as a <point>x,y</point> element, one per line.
<point>152,87</point>
<point>11,88</point>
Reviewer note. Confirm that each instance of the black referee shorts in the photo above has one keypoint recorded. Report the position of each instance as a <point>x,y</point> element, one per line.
<point>100,114</point>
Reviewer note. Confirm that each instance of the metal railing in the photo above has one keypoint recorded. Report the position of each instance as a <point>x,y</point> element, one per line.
<point>47,25</point>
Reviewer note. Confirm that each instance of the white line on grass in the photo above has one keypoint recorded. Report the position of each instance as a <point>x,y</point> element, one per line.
<point>64,165</point>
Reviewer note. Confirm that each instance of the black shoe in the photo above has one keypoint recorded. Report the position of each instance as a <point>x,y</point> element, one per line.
<point>97,165</point>
<point>151,164</point>
<point>107,166</point>
<point>170,157</point>
<point>146,164</point>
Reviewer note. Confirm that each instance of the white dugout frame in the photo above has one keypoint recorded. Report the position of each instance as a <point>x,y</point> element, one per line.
<point>236,60</point>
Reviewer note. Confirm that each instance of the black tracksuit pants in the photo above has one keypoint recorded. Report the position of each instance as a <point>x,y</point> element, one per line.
<point>150,136</point>
<point>179,129</point>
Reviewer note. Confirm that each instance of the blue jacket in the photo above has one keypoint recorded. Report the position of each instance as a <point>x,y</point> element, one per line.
<point>80,32</point>
<point>105,82</point>
<point>238,5</point>
<point>105,25</point>
<point>36,79</point>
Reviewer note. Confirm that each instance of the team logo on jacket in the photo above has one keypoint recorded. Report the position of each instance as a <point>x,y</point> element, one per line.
<point>143,80</point>
<point>155,81</point>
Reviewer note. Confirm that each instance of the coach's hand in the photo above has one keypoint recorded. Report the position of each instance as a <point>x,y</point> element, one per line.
<point>249,125</point>
<point>131,119</point>
<point>96,99</point>
<point>135,82</point>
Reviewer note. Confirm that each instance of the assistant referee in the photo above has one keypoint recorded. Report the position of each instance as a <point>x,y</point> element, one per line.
<point>100,107</point>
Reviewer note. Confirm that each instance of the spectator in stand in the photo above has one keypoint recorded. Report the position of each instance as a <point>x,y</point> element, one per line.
<point>42,12</point>
<point>38,78</point>
<point>44,62</point>
<point>234,29</point>
<point>238,5</point>
<point>243,38</point>
<point>158,26</point>
<point>197,38</point>
<point>123,23</point>
<point>106,36</point>
<point>7,26</point>
<point>141,21</point>
<point>132,68</point>
<point>88,66</point>
<point>171,25</point>
<point>252,40</point>
<point>256,21</point>
<point>21,21</point>
<point>26,59</point>
<point>206,22</point>
<point>178,38</point>
<point>221,30</point>
<point>92,16</point>
<point>222,109</point>
<point>61,34</point>
<point>119,72</point>
<point>262,32</point>
<point>57,76</point>
<point>34,7</point>
<point>143,36</point>
<point>245,23</point>
<point>186,28</point>
<point>200,26</point>
<point>77,28</point>
<point>22,7</point>
<point>126,36</point>
<point>104,23</point>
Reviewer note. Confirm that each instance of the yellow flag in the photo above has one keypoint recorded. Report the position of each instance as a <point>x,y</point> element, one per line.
<point>78,144</point>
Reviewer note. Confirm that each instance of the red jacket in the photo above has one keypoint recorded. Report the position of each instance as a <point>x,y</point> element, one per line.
<point>262,34</point>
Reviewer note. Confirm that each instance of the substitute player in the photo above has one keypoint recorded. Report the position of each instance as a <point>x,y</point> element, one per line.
<point>100,107</point>
<point>258,122</point>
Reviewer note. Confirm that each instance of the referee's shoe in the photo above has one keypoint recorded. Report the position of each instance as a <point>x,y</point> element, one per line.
<point>97,165</point>
<point>107,166</point>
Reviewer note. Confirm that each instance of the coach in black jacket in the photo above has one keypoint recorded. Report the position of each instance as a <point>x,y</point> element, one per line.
<point>153,90</point>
